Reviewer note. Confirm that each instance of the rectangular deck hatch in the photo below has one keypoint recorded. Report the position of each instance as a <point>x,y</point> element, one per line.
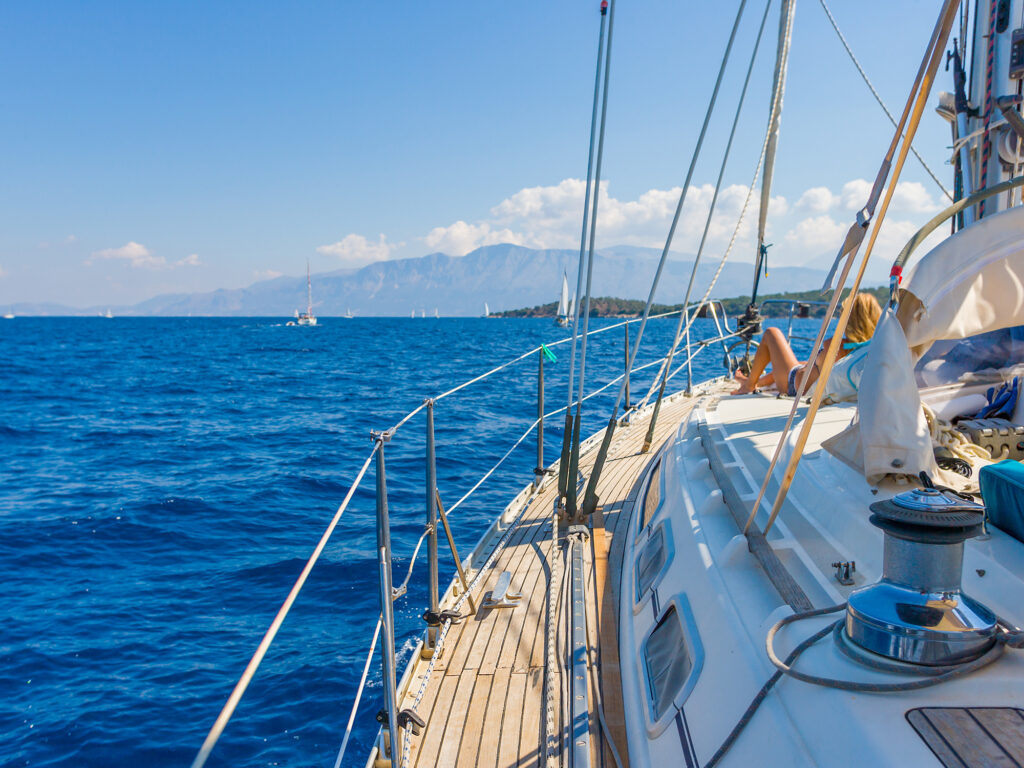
<point>668,661</point>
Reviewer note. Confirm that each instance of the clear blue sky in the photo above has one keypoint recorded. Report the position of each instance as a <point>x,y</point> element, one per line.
<point>151,147</point>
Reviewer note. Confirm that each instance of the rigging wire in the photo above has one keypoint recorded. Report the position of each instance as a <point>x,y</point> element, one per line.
<point>687,317</point>
<point>878,98</point>
<point>574,459</point>
<point>567,431</point>
<point>590,499</point>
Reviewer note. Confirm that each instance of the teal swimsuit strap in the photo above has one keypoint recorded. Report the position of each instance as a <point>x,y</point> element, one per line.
<point>855,344</point>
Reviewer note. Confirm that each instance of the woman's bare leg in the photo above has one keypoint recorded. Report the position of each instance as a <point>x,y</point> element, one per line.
<point>774,350</point>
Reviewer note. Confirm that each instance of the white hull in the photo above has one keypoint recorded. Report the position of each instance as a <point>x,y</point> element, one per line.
<point>730,603</point>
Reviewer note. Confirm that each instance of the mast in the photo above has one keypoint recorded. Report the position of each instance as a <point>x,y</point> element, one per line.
<point>309,292</point>
<point>775,118</point>
<point>749,323</point>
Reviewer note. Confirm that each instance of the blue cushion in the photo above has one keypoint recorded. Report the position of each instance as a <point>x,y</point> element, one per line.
<point>1002,491</point>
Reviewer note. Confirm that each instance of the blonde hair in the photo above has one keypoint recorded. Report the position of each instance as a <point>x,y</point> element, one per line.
<point>863,317</point>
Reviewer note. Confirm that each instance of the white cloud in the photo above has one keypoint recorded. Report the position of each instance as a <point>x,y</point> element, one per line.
<point>816,234</point>
<point>266,274</point>
<point>909,197</point>
<point>134,253</point>
<point>816,200</point>
<point>192,260</point>
<point>355,250</point>
<point>460,238</point>
<point>552,217</point>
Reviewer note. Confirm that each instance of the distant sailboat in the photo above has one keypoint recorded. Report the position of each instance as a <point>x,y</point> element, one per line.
<point>436,316</point>
<point>307,317</point>
<point>108,314</point>
<point>348,313</point>
<point>10,314</point>
<point>423,313</point>
<point>412,314</point>
<point>487,310</point>
<point>562,315</point>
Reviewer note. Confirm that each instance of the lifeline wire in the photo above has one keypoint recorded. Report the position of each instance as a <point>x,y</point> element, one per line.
<point>275,625</point>
<point>359,694</point>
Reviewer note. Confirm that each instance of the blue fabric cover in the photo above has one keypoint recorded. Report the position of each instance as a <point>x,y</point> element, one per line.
<point>1002,491</point>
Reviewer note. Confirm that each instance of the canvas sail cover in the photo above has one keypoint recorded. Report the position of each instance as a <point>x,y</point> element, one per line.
<point>971,283</point>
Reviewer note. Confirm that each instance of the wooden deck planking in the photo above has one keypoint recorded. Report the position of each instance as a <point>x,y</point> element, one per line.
<point>470,745</point>
<point>484,703</point>
<point>511,722</point>
<point>487,757</point>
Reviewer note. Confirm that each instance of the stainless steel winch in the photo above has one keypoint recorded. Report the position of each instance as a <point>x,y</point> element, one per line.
<point>917,613</point>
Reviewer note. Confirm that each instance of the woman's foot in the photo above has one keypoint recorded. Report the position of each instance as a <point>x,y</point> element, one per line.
<point>746,386</point>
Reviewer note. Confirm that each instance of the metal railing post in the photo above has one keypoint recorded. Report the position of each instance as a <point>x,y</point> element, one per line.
<point>538,473</point>
<point>388,717</point>
<point>625,410</point>
<point>433,622</point>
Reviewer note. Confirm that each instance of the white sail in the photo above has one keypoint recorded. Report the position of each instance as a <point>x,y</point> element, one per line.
<point>563,299</point>
<point>309,292</point>
<point>487,310</point>
<point>572,307</point>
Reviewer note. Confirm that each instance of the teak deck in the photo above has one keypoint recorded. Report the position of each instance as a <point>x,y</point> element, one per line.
<point>484,703</point>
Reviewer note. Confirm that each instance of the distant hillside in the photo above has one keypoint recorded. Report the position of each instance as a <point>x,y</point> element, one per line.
<point>503,276</point>
<point>605,306</point>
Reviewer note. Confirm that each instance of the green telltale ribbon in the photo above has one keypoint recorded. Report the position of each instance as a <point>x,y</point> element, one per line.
<point>548,354</point>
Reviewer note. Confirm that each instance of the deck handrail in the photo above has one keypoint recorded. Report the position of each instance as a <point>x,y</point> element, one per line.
<point>248,674</point>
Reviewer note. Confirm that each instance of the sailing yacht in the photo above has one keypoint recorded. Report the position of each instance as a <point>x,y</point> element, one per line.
<point>562,313</point>
<point>307,317</point>
<point>826,574</point>
<point>487,310</point>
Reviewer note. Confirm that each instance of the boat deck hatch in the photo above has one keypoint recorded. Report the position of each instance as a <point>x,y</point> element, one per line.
<point>972,737</point>
<point>650,565</point>
<point>668,662</point>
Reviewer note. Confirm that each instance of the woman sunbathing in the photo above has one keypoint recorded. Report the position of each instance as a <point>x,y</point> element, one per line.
<point>789,372</point>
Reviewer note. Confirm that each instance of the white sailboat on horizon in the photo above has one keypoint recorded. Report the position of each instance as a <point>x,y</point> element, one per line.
<point>307,317</point>
<point>562,315</point>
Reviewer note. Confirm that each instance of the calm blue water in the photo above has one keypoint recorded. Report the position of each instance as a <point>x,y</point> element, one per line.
<point>162,482</point>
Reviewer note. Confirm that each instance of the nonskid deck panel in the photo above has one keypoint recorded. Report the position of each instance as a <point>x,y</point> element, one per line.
<point>484,703</point>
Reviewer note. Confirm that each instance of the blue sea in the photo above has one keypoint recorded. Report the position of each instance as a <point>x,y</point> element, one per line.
<point>163,481</point>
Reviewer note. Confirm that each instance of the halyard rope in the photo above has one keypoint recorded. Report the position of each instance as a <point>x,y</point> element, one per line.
<point>878,98</point>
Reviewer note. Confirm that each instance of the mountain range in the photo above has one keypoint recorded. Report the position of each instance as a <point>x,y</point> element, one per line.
<point>504,276</point>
